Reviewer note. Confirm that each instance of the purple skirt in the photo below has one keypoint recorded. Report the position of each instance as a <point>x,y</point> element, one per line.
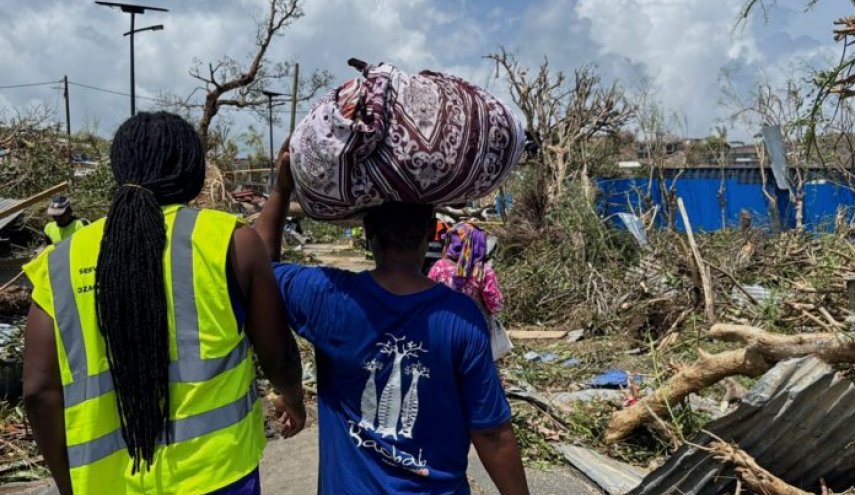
<point>248,485</point>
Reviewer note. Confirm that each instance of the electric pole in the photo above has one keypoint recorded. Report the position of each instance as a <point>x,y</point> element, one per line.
<point>67,107</point>
<point>295,88</point>
<point>270,95</point>
<point>134,10</point>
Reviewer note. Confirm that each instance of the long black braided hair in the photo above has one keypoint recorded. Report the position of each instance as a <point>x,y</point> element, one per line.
<point>157,159</point>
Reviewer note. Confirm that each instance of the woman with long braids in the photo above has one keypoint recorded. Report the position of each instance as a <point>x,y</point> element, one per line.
<point>138,369</point>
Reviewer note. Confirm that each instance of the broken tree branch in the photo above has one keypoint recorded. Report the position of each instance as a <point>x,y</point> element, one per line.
<point>752,474</point>
<point>703,271</point>
<point>762,350</point>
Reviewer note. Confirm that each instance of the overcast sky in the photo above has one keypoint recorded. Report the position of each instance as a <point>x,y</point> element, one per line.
<point>682,46</point>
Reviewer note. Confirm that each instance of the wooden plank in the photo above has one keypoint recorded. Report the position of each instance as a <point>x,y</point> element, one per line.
<point>247,171</point>
<point>703,270</point>
<point>537,334</point>
<point>35,198</point>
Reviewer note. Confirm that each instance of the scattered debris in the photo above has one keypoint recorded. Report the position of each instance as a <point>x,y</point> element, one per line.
<point>745,295</point>
<point>570,362</point>
<point>531,356</point>
<point>707,406</point>
<point>795,424</point>
<point>575,335</point>
<point>215,191</point>
<point>18,206</point>
<point>762,350</point>
<point>536,334</point>
<point>634,226</point>
<point>540,357</point>
<point>15,301</point>
<point>614,378</point>
<point>615,477</point>
<point>11,361</point>
<point>755,477</point>
<point>565,400</point>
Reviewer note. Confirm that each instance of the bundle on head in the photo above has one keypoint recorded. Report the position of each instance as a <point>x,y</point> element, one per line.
<point>157,159</point>
<point>399,226</point>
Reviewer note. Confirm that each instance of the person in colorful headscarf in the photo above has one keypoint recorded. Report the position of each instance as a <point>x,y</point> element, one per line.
<point>463,267</point>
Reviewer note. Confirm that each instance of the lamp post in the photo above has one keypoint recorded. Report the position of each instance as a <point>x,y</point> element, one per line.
<point>134,10</point>
<point>270,95</point>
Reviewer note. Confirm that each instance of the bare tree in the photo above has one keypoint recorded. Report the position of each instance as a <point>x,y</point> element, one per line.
<point>568,118</point>
<point>232,83</point>
<point>786,107</point>
<point>655,130</point>
<point>838,79</point>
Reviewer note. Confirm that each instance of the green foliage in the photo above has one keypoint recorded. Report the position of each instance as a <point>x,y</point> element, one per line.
<point>39,160</point>
<point>549,272</point>
<point>37,163</point>
<point>323,232</point>
<point>92,194</point>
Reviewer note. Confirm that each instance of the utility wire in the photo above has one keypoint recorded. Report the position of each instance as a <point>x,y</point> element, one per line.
<point>113,92</point>
<point>226,108</point>
<point>28,85</point>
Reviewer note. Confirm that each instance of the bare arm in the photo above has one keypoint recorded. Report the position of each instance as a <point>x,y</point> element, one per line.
<point>43,397</point>
<point>272,220</point>
<point>266,325</point>
<point>497,448</point>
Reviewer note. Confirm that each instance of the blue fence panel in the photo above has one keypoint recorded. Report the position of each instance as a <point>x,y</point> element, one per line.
<point>709,211</point>
<point>821,201</point>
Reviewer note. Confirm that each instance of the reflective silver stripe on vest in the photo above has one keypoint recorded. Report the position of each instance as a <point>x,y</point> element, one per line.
<point>65,310</point>
<point>190,367</point>
<point>182,429</point>
<point>183,291</point>
<point>201,370</point>
<point>88,387</point>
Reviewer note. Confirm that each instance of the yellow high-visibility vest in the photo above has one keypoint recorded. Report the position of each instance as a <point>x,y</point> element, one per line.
<point>56,233</point>
<point>216,420</point>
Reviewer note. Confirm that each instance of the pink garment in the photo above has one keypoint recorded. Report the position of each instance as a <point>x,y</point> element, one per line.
<point>485,292</point>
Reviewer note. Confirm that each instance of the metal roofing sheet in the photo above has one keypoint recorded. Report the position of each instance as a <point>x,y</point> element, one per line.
<point>797,423</point>
<point>613,476</point>
<point>8,203</point>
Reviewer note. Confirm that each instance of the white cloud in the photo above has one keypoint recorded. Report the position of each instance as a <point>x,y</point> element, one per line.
<point>681,44</point>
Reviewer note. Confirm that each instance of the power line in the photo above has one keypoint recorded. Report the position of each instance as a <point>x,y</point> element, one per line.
<point>118,93</point>
<point>226,108</point>
<point>28,85</point>
<point>158,100</point>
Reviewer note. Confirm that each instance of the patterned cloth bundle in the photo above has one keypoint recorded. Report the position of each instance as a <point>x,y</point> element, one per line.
<point>430,138</point>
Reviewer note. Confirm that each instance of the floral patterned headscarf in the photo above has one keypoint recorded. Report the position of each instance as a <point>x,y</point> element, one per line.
<point>467,245</point>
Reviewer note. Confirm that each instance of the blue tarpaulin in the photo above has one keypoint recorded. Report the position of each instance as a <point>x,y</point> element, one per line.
<point>715,204</point>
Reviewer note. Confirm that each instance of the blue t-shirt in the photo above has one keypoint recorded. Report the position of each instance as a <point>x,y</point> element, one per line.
<point>401,381</point>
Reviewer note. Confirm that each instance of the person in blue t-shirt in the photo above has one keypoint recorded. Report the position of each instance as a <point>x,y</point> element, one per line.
<point>405,374</point>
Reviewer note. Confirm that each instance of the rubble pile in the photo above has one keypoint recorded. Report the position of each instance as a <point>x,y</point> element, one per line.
<point>774,297</point>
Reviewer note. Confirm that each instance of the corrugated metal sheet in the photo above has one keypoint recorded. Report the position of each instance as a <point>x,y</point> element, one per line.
<point>777,155</point>
<point>7,203</point>
<point>615,477</point>
<point>798,422</point>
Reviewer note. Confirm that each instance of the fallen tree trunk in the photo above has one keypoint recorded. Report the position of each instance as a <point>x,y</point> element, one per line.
<point>761,352</point>
<point>830,347</point>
